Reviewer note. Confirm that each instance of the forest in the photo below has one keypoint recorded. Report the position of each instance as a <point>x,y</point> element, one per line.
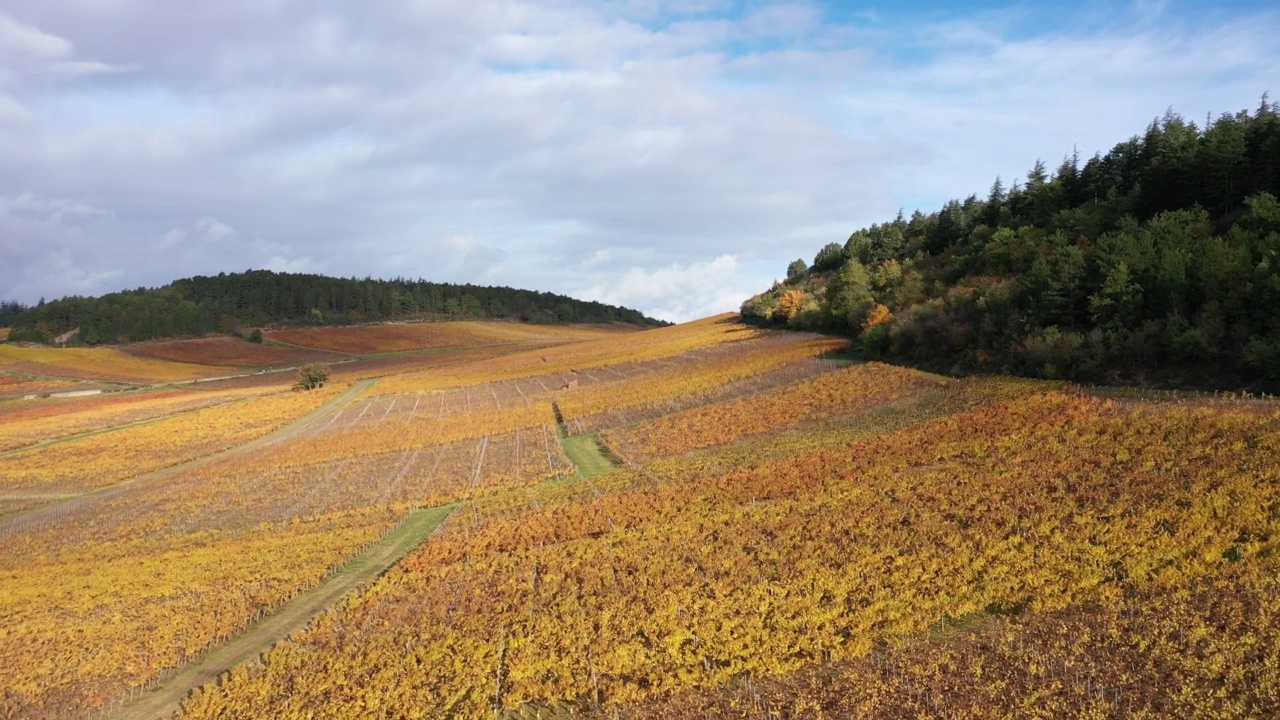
<point>229,303</point>
<point>1153,264</point>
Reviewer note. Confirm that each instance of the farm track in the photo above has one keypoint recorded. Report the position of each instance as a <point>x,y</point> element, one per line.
<point>57,508</point>
<point>260,637</point>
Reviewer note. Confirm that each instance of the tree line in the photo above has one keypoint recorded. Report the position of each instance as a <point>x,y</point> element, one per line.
<point>1155,263</point>
<point>230,302</point>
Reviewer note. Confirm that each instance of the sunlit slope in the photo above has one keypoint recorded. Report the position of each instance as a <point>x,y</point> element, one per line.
<point>403,337</point>
<point>99,460</point>
<point>567,360</point>
<point>881,505</point>
<point>165,567</point>
<point>28,423</point>
<point>18,385</point>
<point>106,364</point>
<point>228,351</point>
<point>778,513</point>
<point>1184,650</point>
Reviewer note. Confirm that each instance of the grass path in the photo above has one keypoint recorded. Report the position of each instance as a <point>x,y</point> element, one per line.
<point>57,508</point>
<point>259,638</point>
<point>586,453</point>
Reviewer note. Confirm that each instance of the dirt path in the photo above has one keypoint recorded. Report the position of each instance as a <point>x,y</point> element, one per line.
<point>60,507</point>
<point>259,638</point>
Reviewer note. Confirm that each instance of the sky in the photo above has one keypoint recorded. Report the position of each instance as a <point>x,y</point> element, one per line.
<point>668,156</point>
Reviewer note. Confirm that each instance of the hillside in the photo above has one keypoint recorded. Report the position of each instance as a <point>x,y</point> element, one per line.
<point>1157,263</point>
<point>219,362</point>
<point>710,519</point>
<point>228,303</point>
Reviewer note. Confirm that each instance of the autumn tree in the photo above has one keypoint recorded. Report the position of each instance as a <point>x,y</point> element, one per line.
<point>878,316</point>
<point>312,376</point>
<point>790,303</point>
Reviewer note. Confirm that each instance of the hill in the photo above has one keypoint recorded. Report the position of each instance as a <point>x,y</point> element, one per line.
<point>1157,263</point>
<point>227,303</point>
<point>219,362</point>
<point>704,520</point>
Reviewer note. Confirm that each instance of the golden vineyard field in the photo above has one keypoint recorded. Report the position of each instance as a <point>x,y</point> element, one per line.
<point>107,364</point>
<point>784,534</point>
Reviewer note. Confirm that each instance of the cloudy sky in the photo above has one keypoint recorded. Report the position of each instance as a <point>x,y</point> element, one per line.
<point>671,156</point>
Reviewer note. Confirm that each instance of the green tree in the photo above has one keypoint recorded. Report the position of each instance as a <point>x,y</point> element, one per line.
<point>849,298</point>
<point>1115,306</point>
<point>828,258</point>
<point>797,269</point>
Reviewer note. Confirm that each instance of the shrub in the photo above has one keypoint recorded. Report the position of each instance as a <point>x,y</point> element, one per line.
<point>311,376</point>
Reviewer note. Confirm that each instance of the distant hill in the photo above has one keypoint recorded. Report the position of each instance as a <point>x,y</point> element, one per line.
<point>1156,263</point>
<point>231,302</point>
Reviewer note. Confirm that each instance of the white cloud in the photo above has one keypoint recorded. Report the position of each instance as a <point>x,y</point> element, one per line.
<point>303,264</point>
<point>28,53</point>
<point>18,39</point>
<point>782,20</point>
<point>55,211</point>
<point>82,68</point>
<point>601,257</point>
<point>11,113</point>
<point>206,230</point>
<point>678,292</point>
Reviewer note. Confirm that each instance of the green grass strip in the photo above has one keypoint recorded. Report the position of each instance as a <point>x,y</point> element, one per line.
<point>586,453</point>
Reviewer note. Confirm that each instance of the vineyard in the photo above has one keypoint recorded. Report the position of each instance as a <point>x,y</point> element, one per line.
<point>392,338</point>
<point>108,364</point>
<point>786,534</point>
<point>108,458</point>
<point>30,423</point>
<point>17,385</point>
<point>227,351</point>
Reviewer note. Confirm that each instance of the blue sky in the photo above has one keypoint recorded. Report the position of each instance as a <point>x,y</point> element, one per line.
<point>671,156</point>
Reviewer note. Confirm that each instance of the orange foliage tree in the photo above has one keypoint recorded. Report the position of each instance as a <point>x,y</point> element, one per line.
<point>878,316</point>
<point>790,303</point>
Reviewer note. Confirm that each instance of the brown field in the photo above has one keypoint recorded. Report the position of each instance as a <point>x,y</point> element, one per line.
<point>108,364</point>
<point>227,351</point>
<point>375,339</point>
